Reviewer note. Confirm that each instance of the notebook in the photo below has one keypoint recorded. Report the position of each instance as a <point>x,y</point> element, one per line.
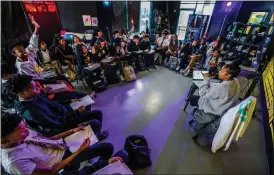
<point>85,101</point>
<point>57,87</point>
<point>198,74</point>
<point>115,168</point>
<point>75,140</point>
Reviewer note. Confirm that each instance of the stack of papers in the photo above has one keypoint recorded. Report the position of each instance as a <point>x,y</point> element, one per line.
<point>198,74</point>
<point>75,140</point>
<point>115,168</point>
<point>57,87</point>
<point>85,101</point>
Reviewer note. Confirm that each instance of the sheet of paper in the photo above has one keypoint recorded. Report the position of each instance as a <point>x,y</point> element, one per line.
<point>92,67</point>
<point>74,141</point>
<point>85,101</point>
<point>57,87</point>
<point>198,74</point>
<point>115,168</point>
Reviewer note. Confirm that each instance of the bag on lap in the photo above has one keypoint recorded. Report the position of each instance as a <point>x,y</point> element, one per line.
<point>173,63</point>
<point>138,152</point>
<point>111,74</point>
<point>129,74</point>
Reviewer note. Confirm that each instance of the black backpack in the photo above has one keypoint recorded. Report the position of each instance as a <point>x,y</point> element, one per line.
<point>141,65</point>
<point>95,82</point>
<point>111,74</point>
<point>138,152</point>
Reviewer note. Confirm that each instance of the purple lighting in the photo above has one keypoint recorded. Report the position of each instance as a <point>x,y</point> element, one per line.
<point>228,4</point>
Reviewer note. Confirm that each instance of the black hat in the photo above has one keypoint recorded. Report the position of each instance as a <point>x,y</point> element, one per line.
<point>8,123</point>
<point>136,37</point>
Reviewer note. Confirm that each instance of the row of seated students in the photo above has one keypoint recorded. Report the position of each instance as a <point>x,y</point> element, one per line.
<point>41,149</point>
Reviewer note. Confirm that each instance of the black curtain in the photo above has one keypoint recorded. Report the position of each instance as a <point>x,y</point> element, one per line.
<point>14,28</point>
<point>119,10</point>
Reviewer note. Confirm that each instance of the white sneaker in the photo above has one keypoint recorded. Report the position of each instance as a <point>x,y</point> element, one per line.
<point>187,72</point>
<point>177,68</point>
<point>122,78</point>
<point>181,71</point>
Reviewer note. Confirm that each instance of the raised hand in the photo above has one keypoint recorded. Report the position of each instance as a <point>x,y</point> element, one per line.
<point>33,22</point>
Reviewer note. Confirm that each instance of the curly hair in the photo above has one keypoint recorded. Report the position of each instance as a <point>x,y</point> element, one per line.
<point>18,83</point>
<point>8,123</point>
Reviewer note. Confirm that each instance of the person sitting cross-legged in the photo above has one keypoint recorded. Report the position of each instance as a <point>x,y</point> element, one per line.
<point>26,152</point>
<point>49,115</point>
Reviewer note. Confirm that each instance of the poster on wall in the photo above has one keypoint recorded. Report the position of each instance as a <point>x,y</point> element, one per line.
<point>86,20</point>
<point>196,24</point>
<point>94,21</point>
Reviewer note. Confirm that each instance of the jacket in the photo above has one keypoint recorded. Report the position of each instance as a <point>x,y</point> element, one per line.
<point>40,59</point>
<point>144,45</point>
<point>46,113</point>
<point>132,47</point>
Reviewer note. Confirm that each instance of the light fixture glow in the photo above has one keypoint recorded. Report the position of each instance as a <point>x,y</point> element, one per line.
<point>228,4</point>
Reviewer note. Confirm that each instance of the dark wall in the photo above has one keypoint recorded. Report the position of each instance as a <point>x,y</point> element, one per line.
<point>105,18</point>
<point>119,18</point>
<point>174,12</point>
<point>134,13</point>
<point>254,6</point>
<point>14,28</point>
<point>71,12</point>
<point>219,14</point>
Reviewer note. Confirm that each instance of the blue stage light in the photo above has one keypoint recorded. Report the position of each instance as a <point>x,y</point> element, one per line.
<point>106,3</point>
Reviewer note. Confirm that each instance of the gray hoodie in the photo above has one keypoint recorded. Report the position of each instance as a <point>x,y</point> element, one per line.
<point>217,98</point>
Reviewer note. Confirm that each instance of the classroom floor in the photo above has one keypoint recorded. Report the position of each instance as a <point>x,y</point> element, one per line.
<point>153,106</point>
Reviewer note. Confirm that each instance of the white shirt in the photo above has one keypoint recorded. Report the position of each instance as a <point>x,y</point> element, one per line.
<point>165,42</point>
<point>28,67</point>
<point>23,158</point>
<point>46,57</point>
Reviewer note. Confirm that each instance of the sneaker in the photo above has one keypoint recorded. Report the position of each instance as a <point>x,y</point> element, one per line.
<point>187,72</point>
<point>177,68</point>
<point>181,71</point>
<point>103,135</point>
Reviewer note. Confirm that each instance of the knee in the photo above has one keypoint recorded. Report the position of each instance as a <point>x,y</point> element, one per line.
<point>98,114</point>
<point>107,147</point>
<point>95,125</point>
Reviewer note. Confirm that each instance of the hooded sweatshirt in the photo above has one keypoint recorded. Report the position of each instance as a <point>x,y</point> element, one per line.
<point>217,98</point>
<point>45,113</point>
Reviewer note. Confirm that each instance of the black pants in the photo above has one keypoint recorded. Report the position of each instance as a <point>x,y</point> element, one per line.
<point>184,61</point>
<point>193,100</point>
<point>84,117</point>
<point>149,60</point>
<point>98,165</point>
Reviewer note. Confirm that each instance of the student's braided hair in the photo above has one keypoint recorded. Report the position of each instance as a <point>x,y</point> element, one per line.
<point>18,83</point>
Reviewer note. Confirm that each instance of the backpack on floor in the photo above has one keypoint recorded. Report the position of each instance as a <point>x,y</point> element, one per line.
<point>128,73</point>
<point>138,152</point>
<point>111,74</point>
<point>173,63</point>
<point>140,61</point>
<point>95,82</point>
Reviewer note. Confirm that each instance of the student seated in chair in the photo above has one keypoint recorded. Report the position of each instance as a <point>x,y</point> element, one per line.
<point>8,98</point>
<point>133,45</point>
<point>45,113</point>
<point>217,98</point>
<point>46,58</point>
<point>24,151</point>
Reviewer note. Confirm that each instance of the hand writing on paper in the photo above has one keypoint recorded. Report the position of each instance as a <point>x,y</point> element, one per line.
<point>85,145</point>
<point>81,109</point>
<point>115,159</point>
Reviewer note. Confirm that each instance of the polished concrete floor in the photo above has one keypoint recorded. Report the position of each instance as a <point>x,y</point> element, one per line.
<point>152,106</point>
